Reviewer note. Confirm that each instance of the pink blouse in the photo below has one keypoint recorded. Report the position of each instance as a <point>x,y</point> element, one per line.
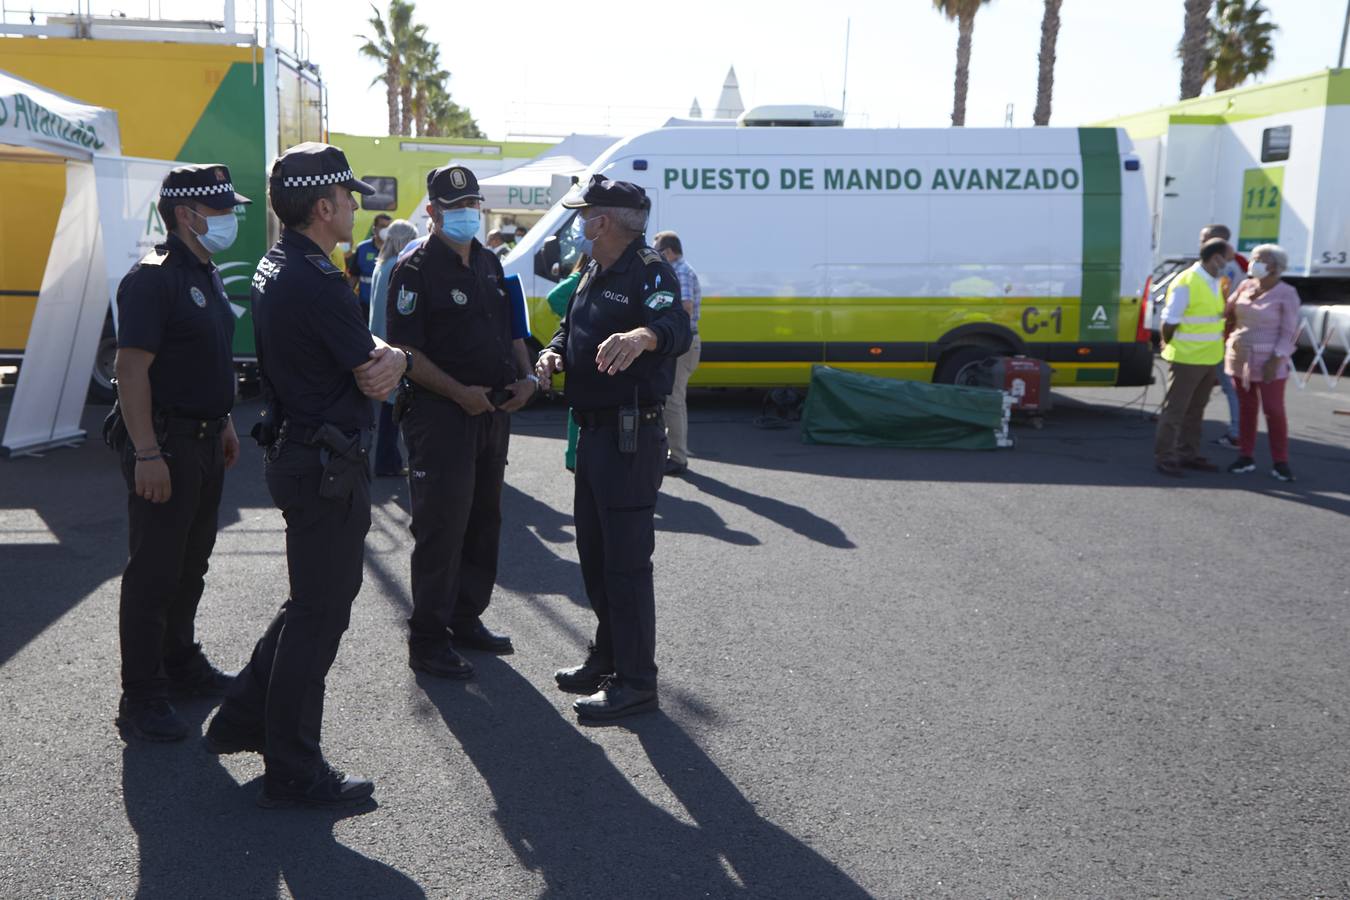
<point>1265,325</point>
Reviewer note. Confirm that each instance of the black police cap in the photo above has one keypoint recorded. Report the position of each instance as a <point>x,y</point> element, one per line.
<point>312,164</point>
<point>451,183</point>
<point>209,184</point>
<point>603,192</point>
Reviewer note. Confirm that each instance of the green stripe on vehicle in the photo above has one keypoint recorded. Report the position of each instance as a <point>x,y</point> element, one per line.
<point>1099,314</point>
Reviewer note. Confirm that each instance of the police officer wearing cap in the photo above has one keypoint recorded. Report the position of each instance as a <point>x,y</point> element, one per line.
<point>318,364</point>
<point>447,304</point>
<point>617,344</point>
<point>175,382</point>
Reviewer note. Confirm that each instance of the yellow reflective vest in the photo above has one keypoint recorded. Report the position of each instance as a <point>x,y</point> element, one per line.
<point>1198,340</point>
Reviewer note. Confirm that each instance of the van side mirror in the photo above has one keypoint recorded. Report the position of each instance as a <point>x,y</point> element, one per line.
<point>548,260</point>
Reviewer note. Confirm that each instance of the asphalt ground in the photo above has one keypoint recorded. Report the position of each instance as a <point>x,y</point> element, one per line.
<point>1037,672</point>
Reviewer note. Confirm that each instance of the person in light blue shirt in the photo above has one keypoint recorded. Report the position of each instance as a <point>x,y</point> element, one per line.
<point>397,236</point>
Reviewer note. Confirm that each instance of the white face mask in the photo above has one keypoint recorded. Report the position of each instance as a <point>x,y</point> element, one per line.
<point>383,233</point>
<point>1258,269</point>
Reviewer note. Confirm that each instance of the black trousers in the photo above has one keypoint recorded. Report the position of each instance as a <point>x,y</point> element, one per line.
<point>281,690</point>
<point>387,456</point>
<point>170,547</point>
<point>615,507</point>
<point>456,465</point>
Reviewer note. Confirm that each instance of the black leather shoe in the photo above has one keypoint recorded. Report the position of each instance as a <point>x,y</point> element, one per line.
<point>151,720</point>
<point>480,637</point>
<point>224,736</point>
<point>198,679</point>
<point>676,469</point>
<point>441,662</point>
<point>614,701</point>
<point>587,677</point>
<point>325,789</point>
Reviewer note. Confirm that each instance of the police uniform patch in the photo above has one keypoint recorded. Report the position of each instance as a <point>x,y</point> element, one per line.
<point>323,264</point>
<point>660,300</point>
<point>649,256</point>
<point>459,297</point>
<point>406,301</point>
<point>457,178</point>
<point>197,296</point>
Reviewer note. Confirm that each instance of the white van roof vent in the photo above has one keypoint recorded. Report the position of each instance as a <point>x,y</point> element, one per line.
<point>791,117</point>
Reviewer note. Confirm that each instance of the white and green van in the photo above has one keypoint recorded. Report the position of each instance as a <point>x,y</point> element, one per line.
<point>906,253</point>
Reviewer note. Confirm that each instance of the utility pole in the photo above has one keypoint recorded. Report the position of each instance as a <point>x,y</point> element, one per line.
<point>843,101</point>
<point>1345,30</point>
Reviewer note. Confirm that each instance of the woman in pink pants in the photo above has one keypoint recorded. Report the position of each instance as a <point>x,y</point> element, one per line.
<point>1263,317</point>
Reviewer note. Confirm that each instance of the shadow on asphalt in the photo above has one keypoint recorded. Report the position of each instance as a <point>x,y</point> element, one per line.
<point>200,834</point>
<point>588,830</point>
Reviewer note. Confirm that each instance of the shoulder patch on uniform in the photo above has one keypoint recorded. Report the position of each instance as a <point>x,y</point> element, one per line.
<point>406,301</point>
<point>649,256</point>
<point>323,264</point>
<point>155,257</point>
<point>660,300</point>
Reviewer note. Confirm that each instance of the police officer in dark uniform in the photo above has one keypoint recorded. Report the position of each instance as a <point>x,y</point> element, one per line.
<point>175,372</point>
<point>448,305</point>
<point>617,344</point>
<point>319,364</point>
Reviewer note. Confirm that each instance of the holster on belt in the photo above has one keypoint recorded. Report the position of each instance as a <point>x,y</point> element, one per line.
<point>344,462</point>
<point>403,401</point>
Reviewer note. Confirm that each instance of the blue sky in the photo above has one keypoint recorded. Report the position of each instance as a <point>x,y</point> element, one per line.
<point>533,67</point>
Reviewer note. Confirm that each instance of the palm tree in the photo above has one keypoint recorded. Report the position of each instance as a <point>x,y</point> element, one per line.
<point>1192,50</point>
<point>425,75</point>
<point>963,12</point>
<point>1240,45</point>
<point>1045,82</point>
<point>389,47</point>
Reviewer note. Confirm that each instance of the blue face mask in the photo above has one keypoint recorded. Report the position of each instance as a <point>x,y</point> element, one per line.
<point>579,239</point>
<point>220,231</point>
<point>460,225</point>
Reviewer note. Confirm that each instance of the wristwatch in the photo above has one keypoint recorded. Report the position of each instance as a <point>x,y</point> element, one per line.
<point>408,360</point>
<point>533,377</point>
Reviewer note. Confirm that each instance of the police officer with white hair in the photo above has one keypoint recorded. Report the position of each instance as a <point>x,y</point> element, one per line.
<point>617,344</point>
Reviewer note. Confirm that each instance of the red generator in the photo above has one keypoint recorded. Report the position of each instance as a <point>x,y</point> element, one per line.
<point>1026,380</point>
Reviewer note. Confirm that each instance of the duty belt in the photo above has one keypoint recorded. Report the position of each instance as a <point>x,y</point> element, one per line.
<point>201,429</point>
<point>304,434</point>
<point>594,418</point>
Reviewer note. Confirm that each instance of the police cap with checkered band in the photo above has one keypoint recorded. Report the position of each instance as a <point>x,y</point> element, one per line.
<point>208,184</point>
<point>312,164</point>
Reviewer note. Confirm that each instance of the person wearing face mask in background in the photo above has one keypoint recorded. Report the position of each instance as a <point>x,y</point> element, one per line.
<point>1192,334</point>
<point>1263,317</point>
<point>361,264</point>
<point>175,383</point>
<point>1234,271</point>
<point>447,304</point>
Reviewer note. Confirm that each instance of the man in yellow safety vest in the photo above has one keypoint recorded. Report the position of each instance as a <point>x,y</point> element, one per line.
<point>1192,334</point>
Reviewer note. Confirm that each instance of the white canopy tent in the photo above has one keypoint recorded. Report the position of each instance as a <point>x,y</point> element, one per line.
<point>530,187</point>
<point>96,234</point>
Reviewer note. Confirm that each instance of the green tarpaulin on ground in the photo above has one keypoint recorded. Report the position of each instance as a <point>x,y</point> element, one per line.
<point>848,408</point>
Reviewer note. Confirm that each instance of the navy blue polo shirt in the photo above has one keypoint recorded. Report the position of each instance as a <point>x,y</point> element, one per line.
<point>174,305</point>
<point>640,289</point>
<point>310,335</point>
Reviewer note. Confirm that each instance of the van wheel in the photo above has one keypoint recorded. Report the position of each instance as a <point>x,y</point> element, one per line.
<point>958,366</point>
<point>101,381</point>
